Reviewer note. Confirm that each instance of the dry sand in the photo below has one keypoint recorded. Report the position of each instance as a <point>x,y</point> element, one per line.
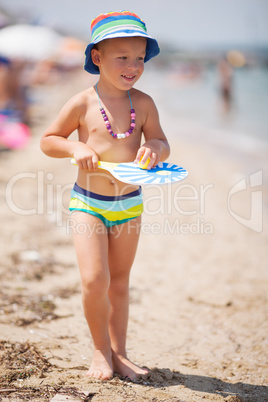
<point>198,311</point>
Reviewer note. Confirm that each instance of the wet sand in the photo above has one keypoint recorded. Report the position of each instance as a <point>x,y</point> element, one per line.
<point>198,292</point>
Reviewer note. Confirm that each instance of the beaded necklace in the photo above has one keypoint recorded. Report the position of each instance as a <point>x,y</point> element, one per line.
<point>108,125</point>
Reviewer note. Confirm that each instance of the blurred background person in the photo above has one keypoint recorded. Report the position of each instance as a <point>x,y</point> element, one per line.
<point>13,97</point>
<point>226,83</point>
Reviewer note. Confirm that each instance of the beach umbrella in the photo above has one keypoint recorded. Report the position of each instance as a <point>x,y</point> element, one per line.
<point>71,51</point>
<point>29,42</point>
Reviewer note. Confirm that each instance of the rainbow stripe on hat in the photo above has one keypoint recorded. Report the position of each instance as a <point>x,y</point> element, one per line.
<point>113,23</point>
<point>118,25</point>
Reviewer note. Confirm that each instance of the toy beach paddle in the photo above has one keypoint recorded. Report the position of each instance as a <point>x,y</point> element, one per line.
<point>131,173</point>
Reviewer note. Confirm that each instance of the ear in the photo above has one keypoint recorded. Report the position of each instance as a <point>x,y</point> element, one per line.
<point>95,55</point>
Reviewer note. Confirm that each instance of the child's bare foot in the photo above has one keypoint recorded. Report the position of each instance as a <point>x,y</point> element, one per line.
<point>101,366</point>
<point>126,368</point>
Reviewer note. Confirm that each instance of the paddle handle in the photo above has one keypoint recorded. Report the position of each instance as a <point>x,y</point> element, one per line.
<point>73,162</point>
<point>101,165</point>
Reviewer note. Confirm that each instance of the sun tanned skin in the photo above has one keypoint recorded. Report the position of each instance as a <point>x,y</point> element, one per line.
<point>106,256</point>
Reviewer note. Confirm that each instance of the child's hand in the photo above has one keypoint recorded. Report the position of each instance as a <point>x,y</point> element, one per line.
<point>86,158</point>
<point>151,149</point>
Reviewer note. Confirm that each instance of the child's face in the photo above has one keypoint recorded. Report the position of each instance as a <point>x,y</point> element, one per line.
<point>121,60</point>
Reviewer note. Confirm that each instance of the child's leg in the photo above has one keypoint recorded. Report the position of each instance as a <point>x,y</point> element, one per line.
<point>91,244</point>
<point>123,241</point>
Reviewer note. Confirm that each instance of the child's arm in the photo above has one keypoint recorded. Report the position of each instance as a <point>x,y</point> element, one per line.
<point>156,146</point>
<point>55,141</point>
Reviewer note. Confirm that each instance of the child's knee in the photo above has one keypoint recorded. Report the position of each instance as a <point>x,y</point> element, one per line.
<point>96,284</point>
<point>119,287</point>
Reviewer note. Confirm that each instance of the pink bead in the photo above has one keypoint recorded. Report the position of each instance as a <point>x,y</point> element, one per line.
<point>109,128</point>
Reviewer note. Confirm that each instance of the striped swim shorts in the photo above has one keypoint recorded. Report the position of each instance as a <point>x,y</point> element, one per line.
<point>111,210</point>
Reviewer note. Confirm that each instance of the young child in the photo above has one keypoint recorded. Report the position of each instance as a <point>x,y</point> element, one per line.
<point>119,47</point>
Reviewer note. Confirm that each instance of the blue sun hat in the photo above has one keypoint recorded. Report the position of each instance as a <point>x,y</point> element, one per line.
<point>121,24</point>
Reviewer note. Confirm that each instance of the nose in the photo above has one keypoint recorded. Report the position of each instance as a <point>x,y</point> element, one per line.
<point>132,65</point>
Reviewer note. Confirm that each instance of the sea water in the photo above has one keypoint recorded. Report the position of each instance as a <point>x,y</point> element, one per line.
<point>198,99</point>
<point>194,100</point>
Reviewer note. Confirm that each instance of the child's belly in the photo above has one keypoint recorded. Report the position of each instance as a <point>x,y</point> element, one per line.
<point>102,182</point>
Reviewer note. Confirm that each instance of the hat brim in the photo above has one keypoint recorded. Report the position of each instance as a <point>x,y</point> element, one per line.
<point>152,48</point>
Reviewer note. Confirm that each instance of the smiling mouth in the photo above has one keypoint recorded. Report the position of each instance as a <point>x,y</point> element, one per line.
<point>129,77</point>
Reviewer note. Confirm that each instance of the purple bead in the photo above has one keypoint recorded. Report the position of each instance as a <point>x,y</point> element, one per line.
<point>109,128</point>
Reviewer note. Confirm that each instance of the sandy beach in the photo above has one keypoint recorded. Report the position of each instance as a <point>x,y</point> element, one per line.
<point>199,284</point>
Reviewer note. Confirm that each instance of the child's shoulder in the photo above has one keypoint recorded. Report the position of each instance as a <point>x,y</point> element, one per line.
<point>141,96</point>
<point>83,98</point>
<point>142,100</point>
